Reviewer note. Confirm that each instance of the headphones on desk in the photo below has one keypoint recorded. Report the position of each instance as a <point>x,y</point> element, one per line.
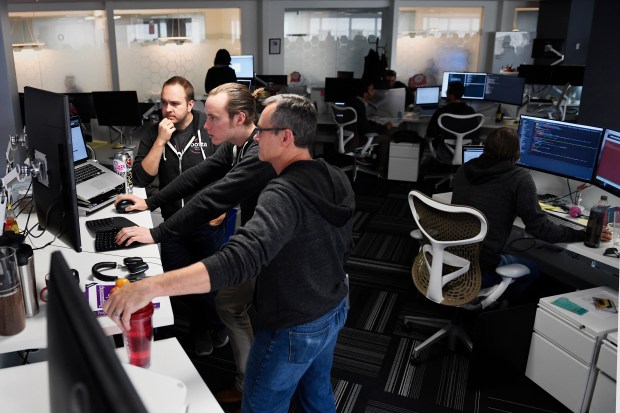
<point>135,265</point>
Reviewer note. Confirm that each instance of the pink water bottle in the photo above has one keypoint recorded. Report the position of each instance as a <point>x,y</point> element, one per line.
<point>138,339</point>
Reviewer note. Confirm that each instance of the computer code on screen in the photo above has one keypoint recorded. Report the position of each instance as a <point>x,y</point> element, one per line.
<point>559,148</point>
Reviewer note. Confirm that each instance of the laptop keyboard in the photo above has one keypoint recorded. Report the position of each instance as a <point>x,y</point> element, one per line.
<point>86,172</point>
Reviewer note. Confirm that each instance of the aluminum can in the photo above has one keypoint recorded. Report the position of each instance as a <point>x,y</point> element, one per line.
<point>123,162</point>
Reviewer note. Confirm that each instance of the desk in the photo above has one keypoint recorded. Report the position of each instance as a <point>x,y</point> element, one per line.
<point>594,254</point>
<point>19,384</point>
<point>35,333</point>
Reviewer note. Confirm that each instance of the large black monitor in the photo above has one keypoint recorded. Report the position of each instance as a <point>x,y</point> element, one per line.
<point>49,139</point>
<point>84,105</point>
<point>559,148</point>
<point>117,108</point>
<point>504,89</point>
<point>340,90</point>
<point>473,82</point>
<point>243,65</point>
<point>607,175</point>
<point>552,75</point>
<point>85,375</point>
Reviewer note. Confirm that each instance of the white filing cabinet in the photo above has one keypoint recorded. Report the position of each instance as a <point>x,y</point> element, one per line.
<point>604,395</point>
<point>404,161</point>
<point>564,346</point>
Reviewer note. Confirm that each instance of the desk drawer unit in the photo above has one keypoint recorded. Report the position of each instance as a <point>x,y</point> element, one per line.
<point>404,161</point>
<point>604,395</point>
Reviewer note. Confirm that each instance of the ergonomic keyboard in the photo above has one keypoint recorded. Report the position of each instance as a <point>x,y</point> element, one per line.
<point>565,222</point>
<point>96,225</point>
<point>106,241</point>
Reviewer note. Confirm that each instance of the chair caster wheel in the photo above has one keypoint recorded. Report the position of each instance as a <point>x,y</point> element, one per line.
<point>415,360</point>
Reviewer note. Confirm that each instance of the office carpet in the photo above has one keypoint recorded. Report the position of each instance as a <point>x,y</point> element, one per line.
<point>371,371</point>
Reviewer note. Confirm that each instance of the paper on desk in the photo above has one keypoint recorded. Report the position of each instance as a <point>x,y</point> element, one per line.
<point>548,207</point>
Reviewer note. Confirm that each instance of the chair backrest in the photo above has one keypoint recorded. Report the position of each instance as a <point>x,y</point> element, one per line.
<point>343,116</point>
<point>460,126</point>
<point>447,269</point>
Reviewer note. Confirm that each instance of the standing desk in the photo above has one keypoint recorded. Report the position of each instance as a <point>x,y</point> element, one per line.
<point>35,333</point>
<point>19,384</point>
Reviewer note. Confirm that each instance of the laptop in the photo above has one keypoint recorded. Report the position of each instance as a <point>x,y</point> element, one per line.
<point>94,183</point>
<point>427,100</point>
<point>471,152</point>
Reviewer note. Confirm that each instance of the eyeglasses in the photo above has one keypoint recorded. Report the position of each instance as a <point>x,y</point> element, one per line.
<point>258,130</point>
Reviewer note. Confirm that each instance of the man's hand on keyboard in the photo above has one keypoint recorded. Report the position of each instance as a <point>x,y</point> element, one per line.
<point>129,235</point>
<point>139,204</point>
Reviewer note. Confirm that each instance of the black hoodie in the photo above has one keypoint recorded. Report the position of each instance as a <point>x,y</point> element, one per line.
<point>298,241</point>
<point>503,191</point>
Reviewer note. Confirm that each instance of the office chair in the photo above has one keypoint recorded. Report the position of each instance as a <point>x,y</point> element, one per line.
<point>459,126</point>
<point>344,116</point>
<point>446,269</point>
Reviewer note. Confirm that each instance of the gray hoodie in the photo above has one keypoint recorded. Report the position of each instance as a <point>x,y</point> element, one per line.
<point>296,243</point>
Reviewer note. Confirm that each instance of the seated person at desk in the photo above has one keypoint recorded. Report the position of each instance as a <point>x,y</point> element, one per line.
<point>391,83</point>
<point>365,92</point>
<point>502,191</point>
<point>177,143</point>
<point>454,106</point>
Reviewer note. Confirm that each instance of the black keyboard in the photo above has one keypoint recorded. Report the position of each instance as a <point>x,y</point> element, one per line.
<point>86,172</point>
<point>96,225</point>
<point>565,222</point>
<point>106,241</point>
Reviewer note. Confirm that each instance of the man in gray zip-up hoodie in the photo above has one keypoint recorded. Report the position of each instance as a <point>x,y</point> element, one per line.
<point>176,144</point>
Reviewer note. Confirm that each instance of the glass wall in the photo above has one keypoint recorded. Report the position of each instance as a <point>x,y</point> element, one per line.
<point>61,51</point>
<point>318,43</point>
<point>433,40</point>
<point>154,45</point>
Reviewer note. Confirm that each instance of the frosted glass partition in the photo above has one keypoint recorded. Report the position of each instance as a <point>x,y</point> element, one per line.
<point>154,45</point>
<point>50,50</point>
<point>436,40</point>
<point>319,43</point>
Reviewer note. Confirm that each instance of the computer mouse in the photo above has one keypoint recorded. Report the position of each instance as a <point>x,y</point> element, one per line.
<point>122,206</point>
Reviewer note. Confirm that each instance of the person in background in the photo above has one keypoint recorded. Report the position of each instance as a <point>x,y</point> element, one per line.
<point>391,83</point>
<point>455,106</point>
<point>232,176</point>
<point>295,245</point>
<point>221,72</point>
<point>502,191</point>
<point>364,94</point>
<point>167,149</point>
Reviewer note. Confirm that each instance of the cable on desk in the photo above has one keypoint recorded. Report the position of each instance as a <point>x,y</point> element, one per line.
<point>511,244</point>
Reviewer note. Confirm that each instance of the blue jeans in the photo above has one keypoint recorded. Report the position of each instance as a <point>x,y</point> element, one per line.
<point>298,357</point>
<point>180,252</point>
<point>518,287</point>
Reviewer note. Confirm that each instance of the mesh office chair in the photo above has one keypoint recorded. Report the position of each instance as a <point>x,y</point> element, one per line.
<point>446,269</point>
<point>459,126</point>
<point>344,116</point>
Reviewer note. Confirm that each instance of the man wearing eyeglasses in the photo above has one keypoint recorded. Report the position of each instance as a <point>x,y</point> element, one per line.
<point>295,245</point>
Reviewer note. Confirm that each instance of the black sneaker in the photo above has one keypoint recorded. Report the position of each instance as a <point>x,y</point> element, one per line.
<point>219,338</point>
<point>203,345</point>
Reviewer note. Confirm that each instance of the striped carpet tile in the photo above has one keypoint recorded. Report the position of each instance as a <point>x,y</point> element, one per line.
<point>386,247</point>
<point>346,394</point>
<point>360,352</point>
<point>370,309</point>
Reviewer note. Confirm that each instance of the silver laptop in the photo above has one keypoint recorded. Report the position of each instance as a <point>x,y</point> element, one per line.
<point>92,180</point>
<point>471,152</point>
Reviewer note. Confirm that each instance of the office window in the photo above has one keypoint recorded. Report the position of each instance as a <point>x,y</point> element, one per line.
<point>436,40</point>
<point>49,50</point>
<point>318,43</point>
<point>154,45</point>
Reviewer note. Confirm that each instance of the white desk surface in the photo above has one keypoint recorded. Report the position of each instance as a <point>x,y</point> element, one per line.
<point>35,333</point>
<point>595,254</point>
<point>18,384</point>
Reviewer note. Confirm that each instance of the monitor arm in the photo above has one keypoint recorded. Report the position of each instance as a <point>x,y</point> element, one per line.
<point>549,48</point>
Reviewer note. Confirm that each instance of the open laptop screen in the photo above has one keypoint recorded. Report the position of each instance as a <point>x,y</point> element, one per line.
<point>77,140</point>
<point>427,95</point>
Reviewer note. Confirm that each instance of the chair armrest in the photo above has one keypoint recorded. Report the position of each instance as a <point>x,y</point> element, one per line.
<point>512,270</point>
<point>416,234</point>
<point>369,138</point>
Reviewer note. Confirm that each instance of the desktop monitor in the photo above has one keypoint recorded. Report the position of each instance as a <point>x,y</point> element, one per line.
<point>243,65</point>
<point>472,152</point>
<point>428,95</point>
<point>117,108</point>
<point>607,175</point>
<point>340,89</point>
<point>474,84</point>
<point>245,82</point>
<point>280,80</point>
<point>504,89</point>
<point>49,139</point>
<point>83,105</point>
<point>559,148</point>
<point>85,375</point>
<point>393,104</point>
<point>552,75</point>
